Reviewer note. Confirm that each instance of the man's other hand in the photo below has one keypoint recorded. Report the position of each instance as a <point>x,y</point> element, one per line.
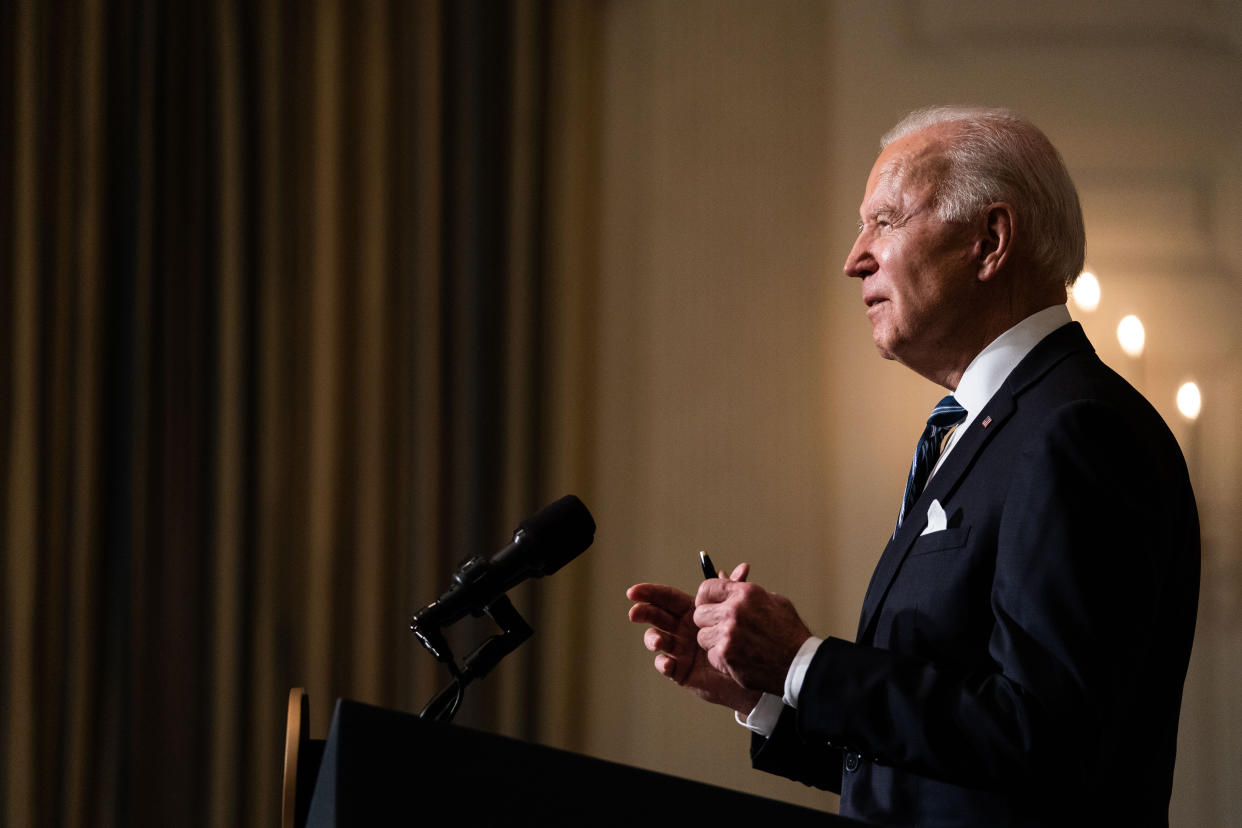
<point>673,635</point>
<point>749,634</point>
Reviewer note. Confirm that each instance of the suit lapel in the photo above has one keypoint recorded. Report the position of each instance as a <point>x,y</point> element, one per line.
<point>941,486</point>
<point>993,416</point>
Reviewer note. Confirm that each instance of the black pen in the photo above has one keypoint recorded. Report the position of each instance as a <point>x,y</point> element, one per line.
<point>709,569</point>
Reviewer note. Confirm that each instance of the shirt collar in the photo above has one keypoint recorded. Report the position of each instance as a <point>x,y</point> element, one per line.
<point>983,377</point>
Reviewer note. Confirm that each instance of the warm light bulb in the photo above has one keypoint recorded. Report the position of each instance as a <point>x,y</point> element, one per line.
<point>1086,291</point>
<point>1131,335</point>
<point>1189,402</point>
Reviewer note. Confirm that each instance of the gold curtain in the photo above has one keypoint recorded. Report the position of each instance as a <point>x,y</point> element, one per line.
<point>296,304</point>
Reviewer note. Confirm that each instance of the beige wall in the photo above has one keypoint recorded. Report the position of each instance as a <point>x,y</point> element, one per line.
<point>713,425</point>
<point>742,408</point>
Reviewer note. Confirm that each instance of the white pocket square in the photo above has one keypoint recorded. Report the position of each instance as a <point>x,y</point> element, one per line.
<point>936,521</point>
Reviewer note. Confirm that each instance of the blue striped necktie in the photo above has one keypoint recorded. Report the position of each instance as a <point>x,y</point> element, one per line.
<point>945,417</point>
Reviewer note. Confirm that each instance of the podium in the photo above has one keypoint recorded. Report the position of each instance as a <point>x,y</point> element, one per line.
<point>381,767</point>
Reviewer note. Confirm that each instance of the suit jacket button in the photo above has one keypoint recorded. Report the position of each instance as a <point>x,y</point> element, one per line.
<point>851,762</point>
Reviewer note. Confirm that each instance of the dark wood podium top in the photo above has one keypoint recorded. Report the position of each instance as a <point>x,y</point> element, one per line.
<point>382,767</point>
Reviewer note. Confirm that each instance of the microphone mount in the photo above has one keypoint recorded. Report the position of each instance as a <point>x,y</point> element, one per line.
<point>541,545</point>
<point>513,631</point>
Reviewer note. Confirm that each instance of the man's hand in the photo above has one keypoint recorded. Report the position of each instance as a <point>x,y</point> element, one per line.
<point>749,634</point>
<point>673,637</point>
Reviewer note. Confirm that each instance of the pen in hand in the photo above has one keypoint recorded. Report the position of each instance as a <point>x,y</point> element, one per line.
<point>709,569</point>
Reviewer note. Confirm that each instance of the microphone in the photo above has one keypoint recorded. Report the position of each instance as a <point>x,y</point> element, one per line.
<point>541,545</point>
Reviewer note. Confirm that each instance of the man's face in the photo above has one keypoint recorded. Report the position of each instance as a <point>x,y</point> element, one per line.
<point>917,271</point>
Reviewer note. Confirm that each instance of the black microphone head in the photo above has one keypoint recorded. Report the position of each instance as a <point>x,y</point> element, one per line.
<point>560,532</point>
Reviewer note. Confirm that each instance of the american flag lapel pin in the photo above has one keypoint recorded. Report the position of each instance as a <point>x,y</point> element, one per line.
<point>987,421</point>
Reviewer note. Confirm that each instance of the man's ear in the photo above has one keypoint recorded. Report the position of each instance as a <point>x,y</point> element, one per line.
<point>994,246</point>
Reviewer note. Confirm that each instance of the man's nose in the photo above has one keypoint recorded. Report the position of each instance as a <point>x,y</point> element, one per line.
<point>859,263</point>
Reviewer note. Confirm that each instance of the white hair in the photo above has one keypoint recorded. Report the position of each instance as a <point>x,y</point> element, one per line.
<point>997,155</point>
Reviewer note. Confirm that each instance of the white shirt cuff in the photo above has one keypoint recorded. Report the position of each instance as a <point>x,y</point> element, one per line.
<point>797,670</point>
<point>762,719</point>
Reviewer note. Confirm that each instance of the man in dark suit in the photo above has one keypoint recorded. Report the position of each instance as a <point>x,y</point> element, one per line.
<point>1025,636</point>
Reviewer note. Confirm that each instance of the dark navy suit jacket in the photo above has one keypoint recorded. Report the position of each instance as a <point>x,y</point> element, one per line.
<point>1025,665</point>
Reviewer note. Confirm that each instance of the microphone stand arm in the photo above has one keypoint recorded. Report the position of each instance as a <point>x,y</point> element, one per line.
<point>514,630</point>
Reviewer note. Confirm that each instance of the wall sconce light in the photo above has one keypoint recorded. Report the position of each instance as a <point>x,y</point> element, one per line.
<point>1086,291</point>
<point>1189,401</point>
<point>1131,335</point>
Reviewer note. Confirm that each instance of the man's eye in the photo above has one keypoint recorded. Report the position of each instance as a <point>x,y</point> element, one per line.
<point>882,224</point>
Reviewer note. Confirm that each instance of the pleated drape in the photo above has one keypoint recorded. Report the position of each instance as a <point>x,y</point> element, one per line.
<point>296,313</point>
